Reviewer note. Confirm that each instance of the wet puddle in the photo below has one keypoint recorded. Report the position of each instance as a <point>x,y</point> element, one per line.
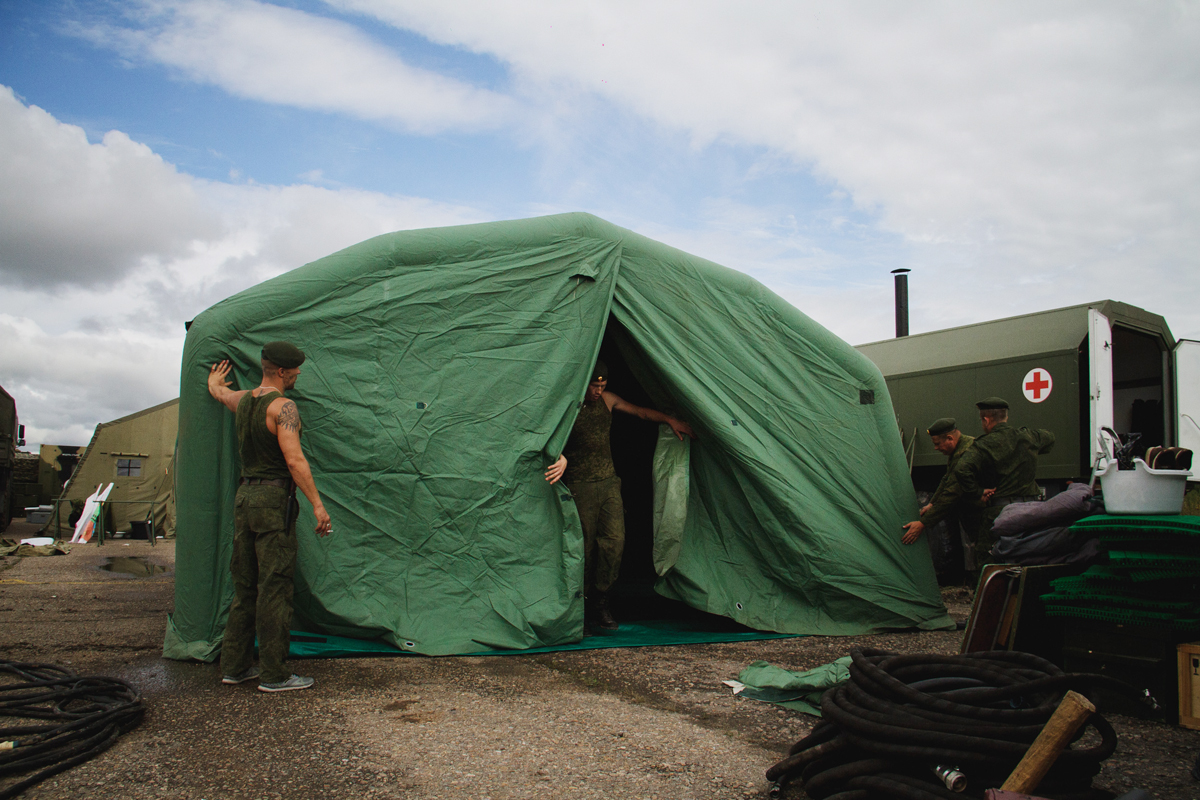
<point>136,566</point>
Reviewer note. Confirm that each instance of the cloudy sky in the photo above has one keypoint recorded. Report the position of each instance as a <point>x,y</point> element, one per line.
<point>156,157</point>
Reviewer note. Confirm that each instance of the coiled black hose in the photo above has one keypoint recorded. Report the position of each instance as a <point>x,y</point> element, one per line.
<point>900,717</point>
<point>84,715</point>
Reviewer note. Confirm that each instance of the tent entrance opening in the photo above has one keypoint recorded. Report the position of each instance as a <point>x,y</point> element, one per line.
<point>633,442</point>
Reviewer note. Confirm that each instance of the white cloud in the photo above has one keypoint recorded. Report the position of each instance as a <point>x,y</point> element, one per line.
<point>85,213</point>
<point>92,339</point>
<point>65,382</point>
<point>285,56</point>
<point>292,225</point>
<point>1017,156</point>
<point>1034,154</point>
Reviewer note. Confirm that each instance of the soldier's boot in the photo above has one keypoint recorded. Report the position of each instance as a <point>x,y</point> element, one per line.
<point>602,618</point>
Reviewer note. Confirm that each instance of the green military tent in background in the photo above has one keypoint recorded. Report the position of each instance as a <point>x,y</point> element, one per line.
<point>136,454</point>
<point>445,369</point>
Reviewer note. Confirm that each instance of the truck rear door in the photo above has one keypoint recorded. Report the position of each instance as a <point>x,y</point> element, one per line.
<point>1100,372</point>
<point>1187,393</point>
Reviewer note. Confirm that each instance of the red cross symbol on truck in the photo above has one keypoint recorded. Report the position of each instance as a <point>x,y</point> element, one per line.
<point>1037,385</point>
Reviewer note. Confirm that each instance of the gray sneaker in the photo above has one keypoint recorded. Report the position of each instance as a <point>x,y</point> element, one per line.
<point>291,684</point>
<point>250,674</point>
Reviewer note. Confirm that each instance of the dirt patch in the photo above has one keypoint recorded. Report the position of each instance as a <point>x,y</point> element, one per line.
<point>137,566</point>
<point>650,722</point>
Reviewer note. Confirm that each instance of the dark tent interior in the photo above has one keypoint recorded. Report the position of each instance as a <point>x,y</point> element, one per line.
<point>633,440</point>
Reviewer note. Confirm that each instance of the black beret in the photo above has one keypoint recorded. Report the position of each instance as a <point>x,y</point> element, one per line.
<point>283,354</point>
<point>942,426</point>
<point>991,403</point>
<point>600,373</point>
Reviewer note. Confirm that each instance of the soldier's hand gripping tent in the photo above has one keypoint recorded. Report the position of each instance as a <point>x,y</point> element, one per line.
<point>445,368</point>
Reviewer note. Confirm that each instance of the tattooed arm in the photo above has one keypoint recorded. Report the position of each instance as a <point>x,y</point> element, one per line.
<point>288,416</point>
<point>287,430</point>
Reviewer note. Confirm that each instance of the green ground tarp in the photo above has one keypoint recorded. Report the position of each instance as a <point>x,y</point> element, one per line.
<point>648,633</point>
<point>445,368</point>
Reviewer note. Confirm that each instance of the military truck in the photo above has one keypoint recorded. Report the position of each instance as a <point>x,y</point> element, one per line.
<point>38,478</point>
<point>1071,370</point>
<point>12,436</point>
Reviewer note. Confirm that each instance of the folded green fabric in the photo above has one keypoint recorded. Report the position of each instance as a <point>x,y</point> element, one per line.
<point>799,691</point>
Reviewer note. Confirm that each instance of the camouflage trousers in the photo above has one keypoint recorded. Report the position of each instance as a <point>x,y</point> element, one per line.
<point>602,515</point>
<point>969,522</point>
<point>263,563</point>
<point>985,540</point>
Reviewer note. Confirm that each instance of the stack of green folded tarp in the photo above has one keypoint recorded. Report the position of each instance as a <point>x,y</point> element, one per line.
<point>1150,575</point>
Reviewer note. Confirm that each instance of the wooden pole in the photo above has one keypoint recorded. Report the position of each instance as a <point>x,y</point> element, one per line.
<point>1070,715</point>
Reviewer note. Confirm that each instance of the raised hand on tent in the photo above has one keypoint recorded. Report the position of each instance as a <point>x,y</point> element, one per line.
<point>556,470</point>
<point>912,531</point>
<point>218,386</point>
<point>680,427</point>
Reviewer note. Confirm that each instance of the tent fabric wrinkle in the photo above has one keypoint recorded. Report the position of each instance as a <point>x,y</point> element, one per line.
<point>445,370</point>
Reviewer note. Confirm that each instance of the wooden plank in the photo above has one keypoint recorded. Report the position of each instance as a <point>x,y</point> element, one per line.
<point>1189,685</point>
<point>1070,715</point>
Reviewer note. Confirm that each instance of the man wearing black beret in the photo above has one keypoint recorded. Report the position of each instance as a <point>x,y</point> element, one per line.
<point>264,543</point>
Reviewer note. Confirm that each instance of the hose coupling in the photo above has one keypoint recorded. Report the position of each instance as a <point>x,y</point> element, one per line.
<point>953,777</point>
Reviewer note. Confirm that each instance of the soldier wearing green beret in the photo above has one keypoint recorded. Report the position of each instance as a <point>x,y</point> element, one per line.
<point>947,502</point>
<point>1006,458</point>
<point>594,485</point>
<point>264,544</point>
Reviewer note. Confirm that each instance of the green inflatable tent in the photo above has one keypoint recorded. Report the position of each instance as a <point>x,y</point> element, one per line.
<point>445,368</point>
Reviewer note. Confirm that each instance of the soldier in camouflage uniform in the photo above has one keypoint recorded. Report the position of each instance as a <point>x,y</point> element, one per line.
<point>264,544</point>
<point>1006,458</point>
<point>597,490</point>
<point>947,502</point>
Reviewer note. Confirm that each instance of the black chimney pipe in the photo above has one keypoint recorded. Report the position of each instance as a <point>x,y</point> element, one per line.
<point>901,301</point>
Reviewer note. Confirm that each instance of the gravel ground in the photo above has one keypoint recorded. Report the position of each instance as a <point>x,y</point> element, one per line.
<point>653,722</point>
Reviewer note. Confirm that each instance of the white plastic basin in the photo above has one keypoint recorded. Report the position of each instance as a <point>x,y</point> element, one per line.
<point>1142,490</point>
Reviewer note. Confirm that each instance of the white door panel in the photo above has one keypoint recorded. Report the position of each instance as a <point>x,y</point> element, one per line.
<point>1187,393</point>
<point>1100,372</point>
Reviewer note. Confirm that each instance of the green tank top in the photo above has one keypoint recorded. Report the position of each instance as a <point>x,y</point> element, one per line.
<point>589,450</point>
<point>258,447</point>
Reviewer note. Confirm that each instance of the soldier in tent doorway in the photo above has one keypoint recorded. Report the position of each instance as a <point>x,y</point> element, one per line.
<point>597,490</point>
